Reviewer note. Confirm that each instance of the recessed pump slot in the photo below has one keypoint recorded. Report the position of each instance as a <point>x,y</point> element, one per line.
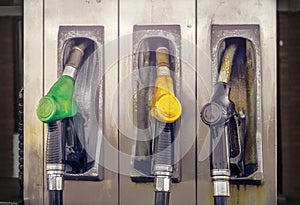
<point>147,42</point>
<point>82,133</point>
<point>245,140</point>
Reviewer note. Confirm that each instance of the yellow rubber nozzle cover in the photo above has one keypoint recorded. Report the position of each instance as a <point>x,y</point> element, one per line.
<point>167,108</point>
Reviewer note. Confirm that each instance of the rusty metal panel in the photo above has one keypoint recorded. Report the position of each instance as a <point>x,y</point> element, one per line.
<point>226,13</point>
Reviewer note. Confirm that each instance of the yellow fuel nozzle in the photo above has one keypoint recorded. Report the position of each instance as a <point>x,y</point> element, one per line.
<point>165,106</point>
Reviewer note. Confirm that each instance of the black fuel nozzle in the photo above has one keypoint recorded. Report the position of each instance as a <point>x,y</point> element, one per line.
<point>226,142</point>
<point>221,108</point>
<point>227,130</point>
<point>217,115</point>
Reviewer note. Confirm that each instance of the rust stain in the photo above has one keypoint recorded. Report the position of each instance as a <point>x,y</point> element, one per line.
<point>248,195</point>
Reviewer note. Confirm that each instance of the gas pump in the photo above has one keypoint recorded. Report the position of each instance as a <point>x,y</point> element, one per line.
<point>124,115</point>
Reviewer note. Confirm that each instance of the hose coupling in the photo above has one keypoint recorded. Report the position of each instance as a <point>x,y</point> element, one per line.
<point>55,174</point>
<point>220,179</point>
<point>162,181</point>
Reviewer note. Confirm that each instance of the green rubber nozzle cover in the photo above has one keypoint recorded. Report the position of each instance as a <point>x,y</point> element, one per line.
<point>59,102</point>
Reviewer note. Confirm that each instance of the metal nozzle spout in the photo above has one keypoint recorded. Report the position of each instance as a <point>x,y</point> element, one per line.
<point>77,53</point>
<point>226,66</point>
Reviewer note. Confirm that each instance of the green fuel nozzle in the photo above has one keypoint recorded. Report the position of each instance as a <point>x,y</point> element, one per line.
<point>58,103</point>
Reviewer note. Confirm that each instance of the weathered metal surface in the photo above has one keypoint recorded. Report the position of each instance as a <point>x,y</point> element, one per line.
<point>118,18</point>
<point>232,12</point>
<point>33,91</point>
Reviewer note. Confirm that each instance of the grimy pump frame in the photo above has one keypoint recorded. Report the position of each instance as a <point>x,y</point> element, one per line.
<point>233,113</point>
<point>156,107</point>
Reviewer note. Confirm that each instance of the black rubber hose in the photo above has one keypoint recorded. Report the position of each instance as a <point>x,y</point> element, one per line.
<point>163,155</point>
<point>54,156</point>
<point>54,144</point>
<point>55,197</point>
<point>162,198</point>
<point>221,200</point>
<point>163,148</point>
